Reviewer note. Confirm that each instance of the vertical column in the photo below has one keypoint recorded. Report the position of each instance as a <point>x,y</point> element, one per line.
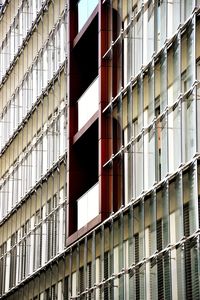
<point>105,138</point>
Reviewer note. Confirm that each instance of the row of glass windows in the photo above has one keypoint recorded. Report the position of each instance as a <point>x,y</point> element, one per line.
<point>160,148</point>
<point>167,75</point>
<point>148,250</point>
<point>38,240</point>
<point>35,81</point>
<point>22,23</point>
<point>153,121</point>
<point>144,27</point>
<point>34,163</point>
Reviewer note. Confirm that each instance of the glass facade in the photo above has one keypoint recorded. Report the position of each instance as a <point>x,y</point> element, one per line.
<point>147,250</point>
<point>99,150</point>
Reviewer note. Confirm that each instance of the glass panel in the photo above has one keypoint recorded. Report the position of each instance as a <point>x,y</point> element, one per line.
<point>195,256</point>
<point>176,210</point>
<point>167,275</point>
<point>190,198</point>
<point>150,30</point>
<point>176,69</point>
<point>117,126</point>
<point>174,138</point>
<point>153,280</point>
<point>85,8</point>
<point>180,272</point>
<point>138,44</point>
<point>163,23</point>
<point>164,146</point>
<point>131,250</point>
<point>151,156</point>
<point>173,13</point>
<point>153,213</point>
<point>189,127</point>
<point>163,81</point>
<point>151,83</point>
<point>138,166</point>
<point>190,54</point>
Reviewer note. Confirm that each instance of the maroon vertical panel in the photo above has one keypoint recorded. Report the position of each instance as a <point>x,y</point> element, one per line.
<point>105,174</point>
<point>72,118</point>
<point>78,173</point>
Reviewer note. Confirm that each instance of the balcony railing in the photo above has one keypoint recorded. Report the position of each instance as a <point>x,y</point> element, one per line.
<point>88,103</point>
<point>88,206</point>
<point>85,9</point>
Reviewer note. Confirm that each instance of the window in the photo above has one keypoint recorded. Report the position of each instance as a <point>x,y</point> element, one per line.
<point>37,241</point>
<point>66,288</point>
<point>85,8</point>
<point>52,227</point>
<point>13,260</point>
<point>160,260</point>
<point>3,249</point>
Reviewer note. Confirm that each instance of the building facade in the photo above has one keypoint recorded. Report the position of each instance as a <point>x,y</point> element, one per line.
<point>99,149</point>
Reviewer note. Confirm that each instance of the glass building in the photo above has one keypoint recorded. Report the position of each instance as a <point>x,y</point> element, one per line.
<point>99,149</point>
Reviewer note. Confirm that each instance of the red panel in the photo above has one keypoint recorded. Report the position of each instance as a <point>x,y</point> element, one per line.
<point>105,174</point>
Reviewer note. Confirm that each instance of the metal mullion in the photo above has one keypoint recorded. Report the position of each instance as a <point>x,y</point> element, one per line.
<point>93,263</point>
<point>121,254</point>
<point>33,288</point>
<point>23,292</point>
<point>39,285</point>
<point>86,271</point>
<point>17,248</point>
<point>53,214</point>
<point>51,271</point>
<point>195,78</point>
<point>112,260</point>
<point>57,279</point>
<point>77,250</point>
<point>46,221</point>
<point>22,238</point>
<point>45,281</point>
<point>59,206</point>
<point>63,274</point>
<point>60,114</point>
<point>41,224</point>
<point>70,271</point>
<point>130,246</point>
<point>34,230</point>
<point>65,200</point>
<point>102,260</point>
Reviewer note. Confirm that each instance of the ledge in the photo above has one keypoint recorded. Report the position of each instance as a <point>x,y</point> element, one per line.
<point>80,133</point>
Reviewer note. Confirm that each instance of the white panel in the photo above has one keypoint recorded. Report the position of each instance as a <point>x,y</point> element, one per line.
<point>88,103</point>
<point>93,202</point>
<point>82,211</point>
<point>88,206</point>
